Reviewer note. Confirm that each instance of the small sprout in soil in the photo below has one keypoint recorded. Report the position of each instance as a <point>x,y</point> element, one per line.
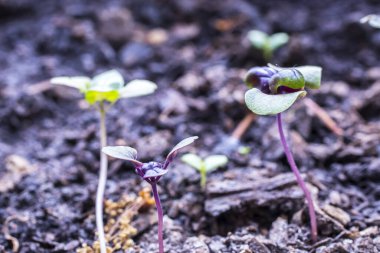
<point>103,91</point>
<point>267,43</point>
<point>372,19</point>
<point>274,90</point>
<point>151,172</point>
<point>206,165</point>
<point>244,150</point>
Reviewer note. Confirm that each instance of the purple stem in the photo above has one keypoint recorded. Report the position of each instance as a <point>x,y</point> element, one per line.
<point>159,216</point>
<point>300,181</point>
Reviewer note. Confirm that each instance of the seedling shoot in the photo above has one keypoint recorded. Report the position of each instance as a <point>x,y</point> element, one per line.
<point>102,92</point>
<point>274,91</point>
<point>206,165</point>
<point>151,172</point>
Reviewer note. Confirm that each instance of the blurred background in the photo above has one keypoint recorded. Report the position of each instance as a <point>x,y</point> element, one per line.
<point>197,52</point>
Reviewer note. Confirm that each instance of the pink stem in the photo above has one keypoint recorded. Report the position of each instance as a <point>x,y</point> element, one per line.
<point>160,218</point>
<point>300,181</point>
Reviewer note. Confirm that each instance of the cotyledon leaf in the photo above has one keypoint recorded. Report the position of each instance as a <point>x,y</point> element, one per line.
<point>80,82</point>
<point>264,104</point>
<point>122,152</point>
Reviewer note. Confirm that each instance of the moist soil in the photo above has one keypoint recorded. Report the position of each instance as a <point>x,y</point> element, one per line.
<point>197,52</point>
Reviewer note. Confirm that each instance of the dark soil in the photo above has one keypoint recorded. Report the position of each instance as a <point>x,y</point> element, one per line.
<point>197,52</point>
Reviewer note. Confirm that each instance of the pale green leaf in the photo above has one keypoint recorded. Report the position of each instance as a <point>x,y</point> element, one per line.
<point>277,40</point>
<point>137,88</point>
<point>215,161</point>
<point>312,76</point>
<point>264,104</point>
<point>258,39</point>
<point>372,19</point>
<point>108,81</point>
<point>79,82</point>
<point>192,160</point>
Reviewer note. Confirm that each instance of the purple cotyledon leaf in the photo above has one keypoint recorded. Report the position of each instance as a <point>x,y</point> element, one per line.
<point>174,151</point>
<point>122,152</point>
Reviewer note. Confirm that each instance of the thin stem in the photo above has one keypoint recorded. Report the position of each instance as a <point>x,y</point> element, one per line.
<point>203,177</point>
<point>160,217</point>
<point>300,181</point>
<point>102,180</point>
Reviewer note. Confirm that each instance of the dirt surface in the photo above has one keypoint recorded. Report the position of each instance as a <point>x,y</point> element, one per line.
<point>197,52</point>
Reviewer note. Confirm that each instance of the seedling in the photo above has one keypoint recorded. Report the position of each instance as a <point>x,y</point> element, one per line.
<point>372,19</point>
<point>267,43</point>
<point>206,165</point>
<point>151,172</point>
<point>274,90</point>
<point>103,91</point>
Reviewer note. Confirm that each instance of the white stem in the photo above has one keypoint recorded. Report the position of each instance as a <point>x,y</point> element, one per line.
<point>102,181</point>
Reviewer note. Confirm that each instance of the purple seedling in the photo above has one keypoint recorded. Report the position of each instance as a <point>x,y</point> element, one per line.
<point>151,172</point>
<point>274,90</point>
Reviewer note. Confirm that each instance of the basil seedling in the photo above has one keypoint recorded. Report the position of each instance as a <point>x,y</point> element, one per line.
<point>274,90</point>
<point>151,172</point>
<point>206,165</point>
<point>103,91</point>
<point>267,43</point>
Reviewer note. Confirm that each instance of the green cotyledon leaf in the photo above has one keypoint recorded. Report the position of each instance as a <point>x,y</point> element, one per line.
<point>264,104</point>
<point>193,160</point>
<point>311,74</point>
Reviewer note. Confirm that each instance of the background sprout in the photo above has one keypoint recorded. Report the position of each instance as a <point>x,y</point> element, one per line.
<point>275,90</point>
<point>206,165</point>
<point>267,43</point>
<point>105,88</point>
<point>151,172</point>
<point>372,19</point>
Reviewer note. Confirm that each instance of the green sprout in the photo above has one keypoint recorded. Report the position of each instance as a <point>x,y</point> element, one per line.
<point>206,165</point>
<point>267,43</point>
<point>372,19</point>
<point>102,92</point>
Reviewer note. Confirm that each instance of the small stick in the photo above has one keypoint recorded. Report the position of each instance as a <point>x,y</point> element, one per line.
<point>323,116</point>
<point>243,126</point>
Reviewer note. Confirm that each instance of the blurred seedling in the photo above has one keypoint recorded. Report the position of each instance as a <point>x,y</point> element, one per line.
<point>151,172</point>
<point>274,91</point>
<point>266,43</point>
<point>119,229</point>
<point>372,19</point>
<point>204,166</point>
<point>102,92</point>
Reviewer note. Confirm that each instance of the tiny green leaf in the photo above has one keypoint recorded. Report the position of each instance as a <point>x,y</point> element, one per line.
<point>215,161</point>
<point>312,76</point>
<point>244,150</point>
<point>372,19</point>
<point>263,104</point>
<point>80,82</point>
<point>277,40</point>
<point>258,38</point>
<point>137,88</point>
<point>192,160</point>
<point>291,78</point>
